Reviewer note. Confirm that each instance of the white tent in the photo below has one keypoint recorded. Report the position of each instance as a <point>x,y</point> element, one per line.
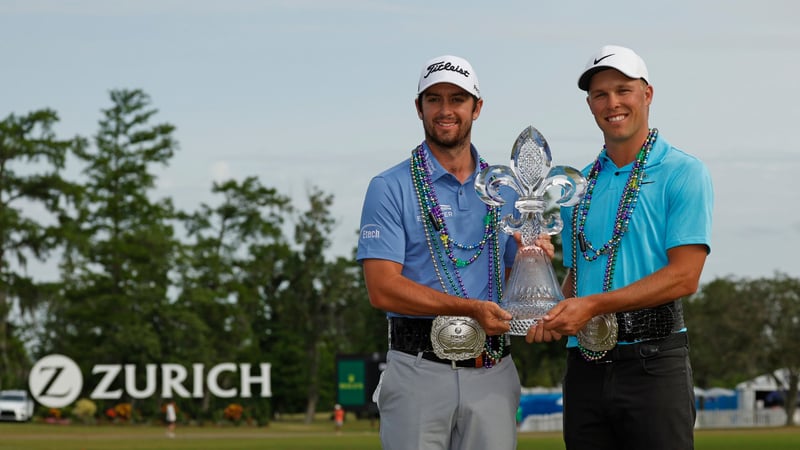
<point>713,392</point>
<point>766,382</point>
<point>762,383</point>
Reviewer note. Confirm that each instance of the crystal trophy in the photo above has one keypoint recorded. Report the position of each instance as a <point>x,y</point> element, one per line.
<point>532,287</point>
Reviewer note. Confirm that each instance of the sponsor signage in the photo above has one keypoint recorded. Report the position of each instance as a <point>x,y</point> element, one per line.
<point>356,379</point>
<point>56,381</point>
<point>351,382</point>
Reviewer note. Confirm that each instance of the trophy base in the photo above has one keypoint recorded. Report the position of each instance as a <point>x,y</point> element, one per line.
<point>527,314</point>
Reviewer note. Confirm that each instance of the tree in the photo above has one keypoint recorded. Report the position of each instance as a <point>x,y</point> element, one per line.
<point>723,321</point>
<point>306,311</point>
<point>231,268</point>
<point>27,140</point>
<point>740,328</point>
<point>780,297</point>
<point>360,327</point>
<point>121,246</point>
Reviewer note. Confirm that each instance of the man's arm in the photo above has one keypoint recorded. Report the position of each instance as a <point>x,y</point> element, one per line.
<point>389,290</point>
<point>680,277</point>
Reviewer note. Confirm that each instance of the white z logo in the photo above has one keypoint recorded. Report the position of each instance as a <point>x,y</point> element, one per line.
<point>55,381</point>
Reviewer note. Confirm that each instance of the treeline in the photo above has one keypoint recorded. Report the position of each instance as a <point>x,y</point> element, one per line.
<point>242,280</point>
<point>246,278</point>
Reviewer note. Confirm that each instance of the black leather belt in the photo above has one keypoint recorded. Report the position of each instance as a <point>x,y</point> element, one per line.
<point>638,350</point>
<point>413,336</point>
<point>650,323</point>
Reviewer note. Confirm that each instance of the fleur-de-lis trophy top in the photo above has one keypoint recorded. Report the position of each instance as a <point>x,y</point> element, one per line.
<point>531,175</point>
<point>532,287</point>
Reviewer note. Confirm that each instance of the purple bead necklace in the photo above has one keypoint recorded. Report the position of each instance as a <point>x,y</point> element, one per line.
<point>627,203</point>
<point>441,244</point>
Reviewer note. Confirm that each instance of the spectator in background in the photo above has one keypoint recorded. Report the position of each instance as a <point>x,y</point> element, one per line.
<point>171,417</point>
<point>338,418</point>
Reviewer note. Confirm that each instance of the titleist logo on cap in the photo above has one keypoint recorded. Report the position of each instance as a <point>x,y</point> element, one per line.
<point>449,69</point>
<point>446,65</point>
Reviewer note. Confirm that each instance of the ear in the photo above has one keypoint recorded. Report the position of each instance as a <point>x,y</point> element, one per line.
<point>648,94</point>
<point>419,109</point>
<point>477,111</point>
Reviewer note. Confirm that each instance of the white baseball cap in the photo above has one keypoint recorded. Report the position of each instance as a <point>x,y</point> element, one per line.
<point>614,57</point>
<point>449,69</point>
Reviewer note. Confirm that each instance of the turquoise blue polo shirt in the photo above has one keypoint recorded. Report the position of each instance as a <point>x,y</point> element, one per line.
<point>674,208</point>
<point>392,227</point>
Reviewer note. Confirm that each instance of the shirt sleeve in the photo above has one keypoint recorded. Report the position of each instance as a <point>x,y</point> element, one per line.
<point>691,203</point>
<point>381,234</point>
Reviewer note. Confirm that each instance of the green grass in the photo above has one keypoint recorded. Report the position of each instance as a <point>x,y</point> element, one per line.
<point>357,435</point>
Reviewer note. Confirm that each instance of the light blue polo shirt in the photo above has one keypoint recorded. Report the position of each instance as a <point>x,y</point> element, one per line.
<point>674,208</point>
<point>392,229</point>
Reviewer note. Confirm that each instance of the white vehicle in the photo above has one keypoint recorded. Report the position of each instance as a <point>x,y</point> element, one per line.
<point>16,405</point>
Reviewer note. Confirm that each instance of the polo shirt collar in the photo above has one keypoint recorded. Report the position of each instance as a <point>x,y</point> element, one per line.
<point>657,154</point>
<point>437,171</point>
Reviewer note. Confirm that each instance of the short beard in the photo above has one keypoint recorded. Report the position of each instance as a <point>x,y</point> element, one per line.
<point>450,143</point>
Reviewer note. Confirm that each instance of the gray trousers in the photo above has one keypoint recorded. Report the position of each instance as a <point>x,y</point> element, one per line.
<point>426,405</point>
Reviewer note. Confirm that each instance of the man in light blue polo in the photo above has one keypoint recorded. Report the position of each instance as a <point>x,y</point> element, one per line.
<point>430,248</point>
<point>635,245</point>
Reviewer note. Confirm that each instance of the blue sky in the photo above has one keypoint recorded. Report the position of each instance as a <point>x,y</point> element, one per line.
<point>320,93</point>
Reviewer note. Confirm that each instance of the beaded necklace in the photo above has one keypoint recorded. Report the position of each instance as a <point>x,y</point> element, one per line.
<point>441,244</point>
<point>627,204</point>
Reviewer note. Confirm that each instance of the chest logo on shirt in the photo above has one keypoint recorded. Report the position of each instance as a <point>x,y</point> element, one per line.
<point>370,231</point>
<point>447,211</point>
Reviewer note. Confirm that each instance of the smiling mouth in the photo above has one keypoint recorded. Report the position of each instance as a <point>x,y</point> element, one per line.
<point>616,118</point>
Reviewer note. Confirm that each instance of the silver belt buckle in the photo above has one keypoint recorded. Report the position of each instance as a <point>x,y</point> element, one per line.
<point>457,337</point>
<point>600,333</point>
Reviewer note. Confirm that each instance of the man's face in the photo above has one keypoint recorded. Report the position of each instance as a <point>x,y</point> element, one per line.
<point>447,112</point>
<point>620,105</point>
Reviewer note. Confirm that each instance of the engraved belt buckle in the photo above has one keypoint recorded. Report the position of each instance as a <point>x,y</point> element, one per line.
<point>599,334</point>
<point>457,337</point>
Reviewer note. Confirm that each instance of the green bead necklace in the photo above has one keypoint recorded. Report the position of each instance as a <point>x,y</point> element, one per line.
<point>441,245</point>
<point>627,203</point>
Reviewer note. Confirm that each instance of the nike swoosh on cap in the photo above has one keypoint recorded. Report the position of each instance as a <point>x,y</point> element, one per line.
<point>604,57</point>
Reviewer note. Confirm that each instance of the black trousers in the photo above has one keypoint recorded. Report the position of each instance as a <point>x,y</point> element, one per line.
<point>639,397</point>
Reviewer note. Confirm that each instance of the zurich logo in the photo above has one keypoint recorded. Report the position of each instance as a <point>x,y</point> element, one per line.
<point>55,381</point>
